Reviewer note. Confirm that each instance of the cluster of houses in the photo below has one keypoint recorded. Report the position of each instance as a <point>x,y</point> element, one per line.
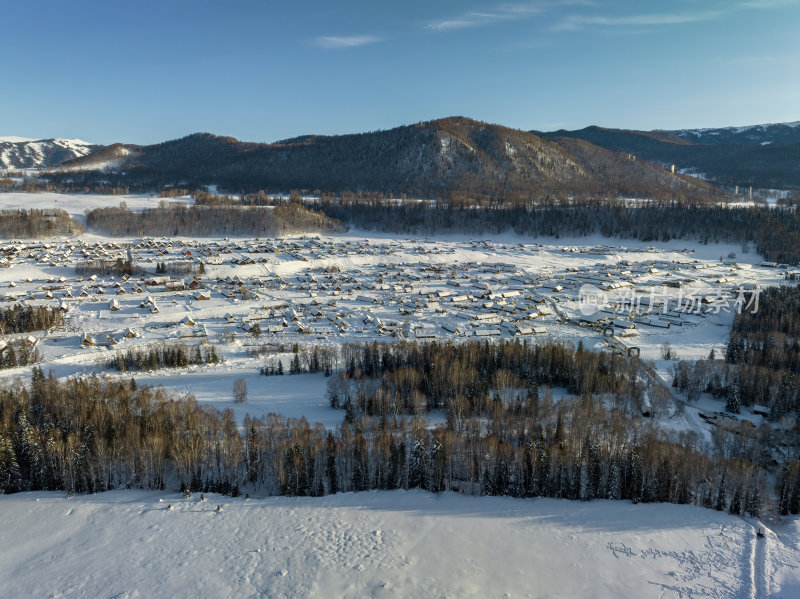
<point>332,288</point>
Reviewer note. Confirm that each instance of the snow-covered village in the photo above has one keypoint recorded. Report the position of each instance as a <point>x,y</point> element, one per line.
<point>498,299</point>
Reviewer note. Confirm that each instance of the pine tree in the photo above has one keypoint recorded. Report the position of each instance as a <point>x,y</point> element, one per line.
<point>721,503</point>
<point>733,401</point>
<point>31,460</point>
<point>295,367</point>
<point>794,498</point>
<point>501,483</point>
<point>783,488</point>
<point>330,464</point>
<point>37,376</point>
<point>613,482</point>
<point>10,357</point>
<point>487,482</point>
<point>9,468</point>
<point>397,465</point>
<point>635,477</point>
<point>533,391</point>
<point>736,503</point>
<point>594,472</point>
<point>349,413</point>
<point>707,501</point>
<point>752,503</point>
<point>417,465</point>
<point>296,480</point>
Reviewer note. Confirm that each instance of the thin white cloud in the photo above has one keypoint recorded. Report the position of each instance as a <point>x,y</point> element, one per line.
<point>471,19</point>
<point>575,22</point>
<point>767,3</point>
<point>762,59</point>
<point>347,41</point>
<point>502,12</point>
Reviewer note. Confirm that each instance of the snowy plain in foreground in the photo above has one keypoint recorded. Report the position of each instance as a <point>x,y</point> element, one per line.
<point>384,544</point>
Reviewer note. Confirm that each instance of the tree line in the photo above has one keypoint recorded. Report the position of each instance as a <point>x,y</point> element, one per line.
<point>17,224</point>
<point>761,364</point>
<point>775,233</point>
<point>778,313</point>
<point>764,351</point>
<point>182,267</point>
<point>464,379</point>
<point>740,385</point>
<point>788,488</point>
<point>164,356</point>
<point>88,435</point>
<point>24,319</point>
<point>27,184</point>
<point>17,352</point>
<point>118,267</point>
<point>179,219</point>
<point>305,360</point>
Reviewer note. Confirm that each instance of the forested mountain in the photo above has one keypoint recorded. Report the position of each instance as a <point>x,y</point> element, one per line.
<point>18,153</point>
<point>434,159</point>
<point>440,158</point>
<point>766,156</point>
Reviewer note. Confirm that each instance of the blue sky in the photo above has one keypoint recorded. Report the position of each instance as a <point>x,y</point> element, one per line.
<point>147,71</point>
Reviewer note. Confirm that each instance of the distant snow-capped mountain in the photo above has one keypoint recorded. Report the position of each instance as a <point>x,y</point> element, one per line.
<point>21,153</point>
<point>751,134</point>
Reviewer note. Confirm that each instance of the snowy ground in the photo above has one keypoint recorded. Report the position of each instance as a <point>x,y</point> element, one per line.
<point>295,396</point>
<point>77,204</point>
<point>385,544</point>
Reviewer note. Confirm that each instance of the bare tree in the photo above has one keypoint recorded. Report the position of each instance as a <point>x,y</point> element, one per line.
<point>659,400</point>
<point>240,391</point>
<point>504,383</point>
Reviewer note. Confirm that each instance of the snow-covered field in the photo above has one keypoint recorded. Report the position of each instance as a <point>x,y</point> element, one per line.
<point>296,396</point>
<point>77,204</point>
<point>385,544</point>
